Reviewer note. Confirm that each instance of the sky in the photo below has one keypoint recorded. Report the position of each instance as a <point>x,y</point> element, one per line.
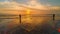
<point>52,2</point>
<point>48,5</point>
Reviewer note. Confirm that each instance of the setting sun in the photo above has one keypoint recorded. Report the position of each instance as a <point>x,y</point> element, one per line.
<point>28,11</point>
<point>28,15</point>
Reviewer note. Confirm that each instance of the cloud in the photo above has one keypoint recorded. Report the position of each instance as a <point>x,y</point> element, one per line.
<point>55,8</point>
<point>36,5</point>
<point>10,5</point>
<point>32,4</point>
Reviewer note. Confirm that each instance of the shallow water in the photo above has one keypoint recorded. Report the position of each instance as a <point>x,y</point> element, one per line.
<point>28,22</point>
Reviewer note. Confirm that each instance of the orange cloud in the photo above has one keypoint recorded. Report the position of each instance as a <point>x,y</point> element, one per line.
<point>36,5</point>
<point>55,8</point>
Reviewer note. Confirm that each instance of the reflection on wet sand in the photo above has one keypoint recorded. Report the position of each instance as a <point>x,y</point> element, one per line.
<point>29,23</point>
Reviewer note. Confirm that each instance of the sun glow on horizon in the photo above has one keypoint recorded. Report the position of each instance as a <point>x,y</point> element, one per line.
<point>28,11</point>
<point>28,18</point>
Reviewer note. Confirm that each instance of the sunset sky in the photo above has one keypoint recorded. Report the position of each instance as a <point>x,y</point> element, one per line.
<point>36,6</point>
